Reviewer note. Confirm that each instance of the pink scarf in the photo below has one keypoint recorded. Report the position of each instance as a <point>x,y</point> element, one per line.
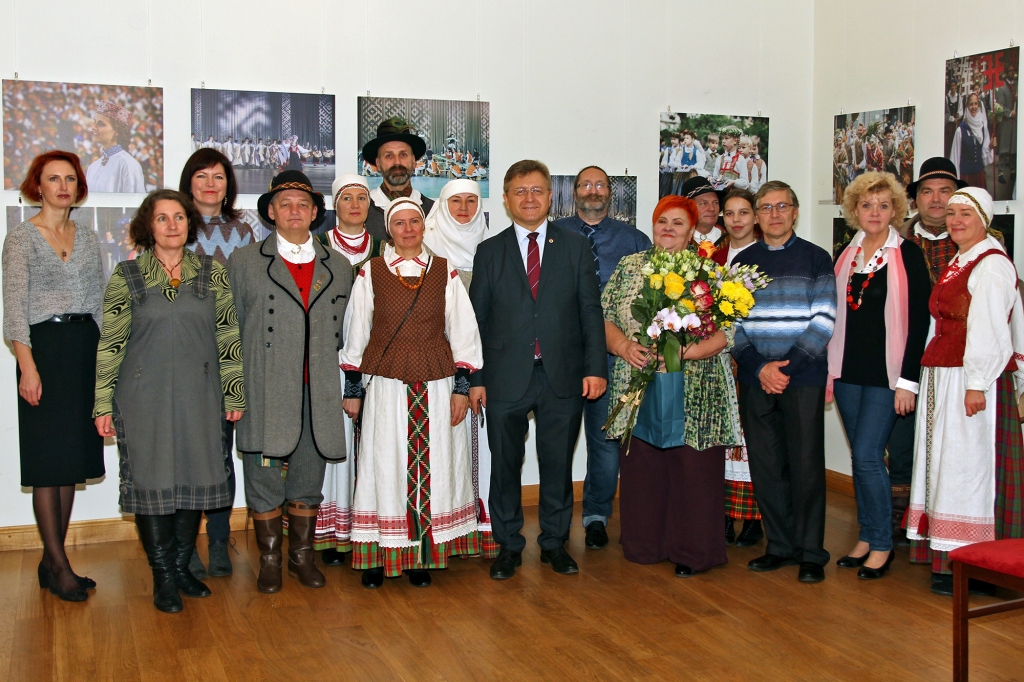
<point>896,313</point>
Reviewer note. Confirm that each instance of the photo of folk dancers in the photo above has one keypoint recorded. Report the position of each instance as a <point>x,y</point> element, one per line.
<point>879,141</point>
<point>731,152</point>
<point>981,105</point>
<point>622,206</point>
<point>455,141</point>
<point>264,133</point>
<point>116,130</point>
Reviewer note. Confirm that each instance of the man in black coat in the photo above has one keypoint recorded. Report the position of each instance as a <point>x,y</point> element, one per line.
<point>535,293</point>
<point>394,152</point>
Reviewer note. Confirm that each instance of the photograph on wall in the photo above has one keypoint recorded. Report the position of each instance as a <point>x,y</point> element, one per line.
<point>456,134</point>
<point>842,235</point>
<point>980,109</point>
<point>264,133</point>
<point>730,151</point>
<point>623,199</point>
<point>1003,223</point>
<point>880,140</point>
<point>116,130</point>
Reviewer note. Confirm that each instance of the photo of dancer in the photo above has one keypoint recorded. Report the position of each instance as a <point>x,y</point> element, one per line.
<point>116,130</point>
<point>623,199</point>
<point>264,133</point>
<point>980,109</point>
<point>730,151</point>
<point>456,134</point>
<point>880,140</point>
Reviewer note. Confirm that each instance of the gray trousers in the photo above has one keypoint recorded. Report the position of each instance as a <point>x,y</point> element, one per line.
<point>269,487</point>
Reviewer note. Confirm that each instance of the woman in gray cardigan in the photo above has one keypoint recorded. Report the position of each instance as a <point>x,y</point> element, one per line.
<point>53,290</point>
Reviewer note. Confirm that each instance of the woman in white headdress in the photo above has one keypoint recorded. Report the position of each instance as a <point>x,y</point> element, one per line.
<point>968,480</point>
<point>971,150</point>
<point>116,170</point>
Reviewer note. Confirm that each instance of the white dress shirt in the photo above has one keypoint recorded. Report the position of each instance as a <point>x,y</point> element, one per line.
<point>296,253</point>
<point>523,237</point>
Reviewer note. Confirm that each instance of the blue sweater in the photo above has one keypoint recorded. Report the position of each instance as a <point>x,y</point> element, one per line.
<point>793,317</point>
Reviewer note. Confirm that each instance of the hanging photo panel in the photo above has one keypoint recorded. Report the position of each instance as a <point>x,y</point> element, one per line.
<point>880,140</point>
<point>730,151</point>
<point>623,198</point>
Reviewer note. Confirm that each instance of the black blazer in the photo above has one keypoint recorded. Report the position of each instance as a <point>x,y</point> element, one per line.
<point>566,317</point>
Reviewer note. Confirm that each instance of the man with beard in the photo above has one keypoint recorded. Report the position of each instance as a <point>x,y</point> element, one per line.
<point>610,240</point>
<point>708,202</point>
<point>394,152</point>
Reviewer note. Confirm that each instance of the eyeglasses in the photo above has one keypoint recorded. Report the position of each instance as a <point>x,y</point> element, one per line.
<point>782,207</point>
<point>591,185</point>
<point>523,191</point>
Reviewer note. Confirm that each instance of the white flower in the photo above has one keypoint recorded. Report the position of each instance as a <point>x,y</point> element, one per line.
<point>691,321</point>
<point>647,270</point>
<point>654,331</point>
<point>673,322</point>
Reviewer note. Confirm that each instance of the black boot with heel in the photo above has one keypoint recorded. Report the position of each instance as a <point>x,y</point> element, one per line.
<point>157,535</point>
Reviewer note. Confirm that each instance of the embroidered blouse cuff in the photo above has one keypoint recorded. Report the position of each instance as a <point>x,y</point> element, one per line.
<point>461,382</point>
<point>912,386</point>
<point>354,384</point>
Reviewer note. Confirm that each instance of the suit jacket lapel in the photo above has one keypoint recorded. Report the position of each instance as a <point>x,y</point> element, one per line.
<point>513,254</point>
<point>322,274</point>
<point>550,261</point>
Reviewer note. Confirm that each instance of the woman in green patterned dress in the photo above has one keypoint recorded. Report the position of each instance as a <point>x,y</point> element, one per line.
<point>671,500</point>
<point>168,372</point>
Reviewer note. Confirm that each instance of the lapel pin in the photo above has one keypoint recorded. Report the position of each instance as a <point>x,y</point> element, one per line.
<point>551,241</point>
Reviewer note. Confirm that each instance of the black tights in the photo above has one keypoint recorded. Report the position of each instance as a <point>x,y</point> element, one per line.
<point>52,506</point>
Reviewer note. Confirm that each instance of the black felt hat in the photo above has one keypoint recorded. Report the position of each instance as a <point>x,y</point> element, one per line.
<point>394,129</point>
<point>935,168</point>
<point>292,179</point>
<point>698,185</point>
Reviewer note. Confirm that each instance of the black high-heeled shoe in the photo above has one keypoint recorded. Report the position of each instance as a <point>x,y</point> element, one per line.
<point>852,561</point>
<point>868,573</point>
<point>46,580</point>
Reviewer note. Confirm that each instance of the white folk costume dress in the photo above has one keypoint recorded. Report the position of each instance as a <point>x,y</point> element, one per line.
<point>731,166</point>
<point>968,471</point>
<point>414,504</point>
<point>115,171</point>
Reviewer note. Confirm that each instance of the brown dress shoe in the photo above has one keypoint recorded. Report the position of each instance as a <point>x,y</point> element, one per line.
<point>301,525</point>
<point>269,536</point>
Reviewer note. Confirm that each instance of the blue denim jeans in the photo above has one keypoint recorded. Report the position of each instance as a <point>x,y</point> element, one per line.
<point>602,463</point>
<point>868,415</point>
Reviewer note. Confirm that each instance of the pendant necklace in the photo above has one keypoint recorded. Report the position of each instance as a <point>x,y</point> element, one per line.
<point>63,246</point>
<point>175,281</point>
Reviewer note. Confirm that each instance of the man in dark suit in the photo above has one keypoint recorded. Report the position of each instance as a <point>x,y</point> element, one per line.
<point>535,293</point>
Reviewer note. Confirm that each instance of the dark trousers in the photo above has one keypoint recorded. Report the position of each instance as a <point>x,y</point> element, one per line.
<point>901,450</point>
<point>602,463</point>
<point>558,426</point>
<point>218,521</point>
<point>785,436</point>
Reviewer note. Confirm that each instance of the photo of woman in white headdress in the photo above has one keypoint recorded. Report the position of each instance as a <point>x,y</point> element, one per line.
<point>115,170</point>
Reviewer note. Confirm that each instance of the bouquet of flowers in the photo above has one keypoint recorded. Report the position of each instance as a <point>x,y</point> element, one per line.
<point>685,298</point>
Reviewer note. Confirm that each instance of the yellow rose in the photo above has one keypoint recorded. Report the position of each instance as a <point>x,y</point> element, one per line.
<point>688,304</point>
<point>656,281</point>
<point>726,307</point>
<point>674,286</point>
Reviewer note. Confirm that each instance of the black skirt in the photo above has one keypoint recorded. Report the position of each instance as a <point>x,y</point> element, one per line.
<point>59,442</point>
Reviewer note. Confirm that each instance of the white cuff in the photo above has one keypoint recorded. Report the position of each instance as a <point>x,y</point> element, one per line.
<point>906,385</point>
<point>977,385</point>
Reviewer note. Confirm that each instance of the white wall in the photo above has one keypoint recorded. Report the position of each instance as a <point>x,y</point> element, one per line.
<point>573,82</point>
<point>879,54</point>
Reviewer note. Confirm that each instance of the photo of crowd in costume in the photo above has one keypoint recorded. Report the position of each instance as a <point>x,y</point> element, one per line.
<point>116,130</point>
<point>872,141</point>
<point>367,352</point>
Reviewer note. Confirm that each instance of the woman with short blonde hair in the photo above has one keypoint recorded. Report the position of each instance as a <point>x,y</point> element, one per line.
<point>874,183</point>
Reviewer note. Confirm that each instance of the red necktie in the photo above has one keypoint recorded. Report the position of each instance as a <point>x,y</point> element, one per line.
<point>533,276</point>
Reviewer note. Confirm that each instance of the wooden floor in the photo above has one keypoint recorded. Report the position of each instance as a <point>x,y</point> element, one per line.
<point>615,620</point>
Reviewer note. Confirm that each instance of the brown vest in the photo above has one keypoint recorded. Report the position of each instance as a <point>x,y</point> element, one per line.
<point>420,351</point>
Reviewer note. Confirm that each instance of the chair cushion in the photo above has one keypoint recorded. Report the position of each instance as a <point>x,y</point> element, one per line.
<point>1002,556</point>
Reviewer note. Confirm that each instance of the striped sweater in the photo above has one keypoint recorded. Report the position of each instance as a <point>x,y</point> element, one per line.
<point>794,315</point>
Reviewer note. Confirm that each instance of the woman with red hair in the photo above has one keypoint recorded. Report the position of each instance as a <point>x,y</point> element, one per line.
<point>53,295</point>
<point>671,500</point>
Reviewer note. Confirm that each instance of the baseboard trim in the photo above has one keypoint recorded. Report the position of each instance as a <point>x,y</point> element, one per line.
<point>123,528</point>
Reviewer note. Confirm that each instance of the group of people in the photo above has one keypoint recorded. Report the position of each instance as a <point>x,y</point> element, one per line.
<point>351,370</point>
<point>275,154</point>
<point>737,165</point>
<point>887,147</point>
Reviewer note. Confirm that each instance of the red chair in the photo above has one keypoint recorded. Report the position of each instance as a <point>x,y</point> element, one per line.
<point>1000,562</point>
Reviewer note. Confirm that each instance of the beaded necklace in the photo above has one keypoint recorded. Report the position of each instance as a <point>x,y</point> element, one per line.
<point>875,265</point>
<point>351,245</point>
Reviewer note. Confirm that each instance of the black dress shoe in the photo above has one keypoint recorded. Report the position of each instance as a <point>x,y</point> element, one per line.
<point>684,571</point>
<point>504,567</point>
<point>373,577</point>
<point>597,535</point>
<point>44,580</point>
<point>560,560</point>
<point>868,573</point>
<point>332,557</point>
<point>770,562</point>
<point>419,578</point>
<point>810,573</point>
<point>852,561</point>
<point>942,584</point>
<point>751,534</point>
<point>730,531</point>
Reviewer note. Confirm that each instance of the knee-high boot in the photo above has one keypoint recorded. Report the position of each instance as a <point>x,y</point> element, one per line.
<point>301,526</point>
<point>269,536</point>
<point>186,528</point>
<point>157,535</point>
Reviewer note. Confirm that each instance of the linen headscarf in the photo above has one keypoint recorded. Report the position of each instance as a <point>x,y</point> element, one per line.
<point>897,309</point>
<point>345,181</point>
<point>976,198</point>
<point>400,204</point>
<point>449,239</point>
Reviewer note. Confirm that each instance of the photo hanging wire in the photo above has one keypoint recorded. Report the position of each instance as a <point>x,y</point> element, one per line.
<point>667,59</point>
<point>760,54</point>
<point>366,40</point>
<point>478,59</point>
<point>323,48</point>
<point>149,41</point>
<point>15,23</point>
<point>202,46</point>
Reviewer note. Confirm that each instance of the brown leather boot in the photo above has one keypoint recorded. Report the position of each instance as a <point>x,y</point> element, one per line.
<point>301,525</point>
<point>269,537</point>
